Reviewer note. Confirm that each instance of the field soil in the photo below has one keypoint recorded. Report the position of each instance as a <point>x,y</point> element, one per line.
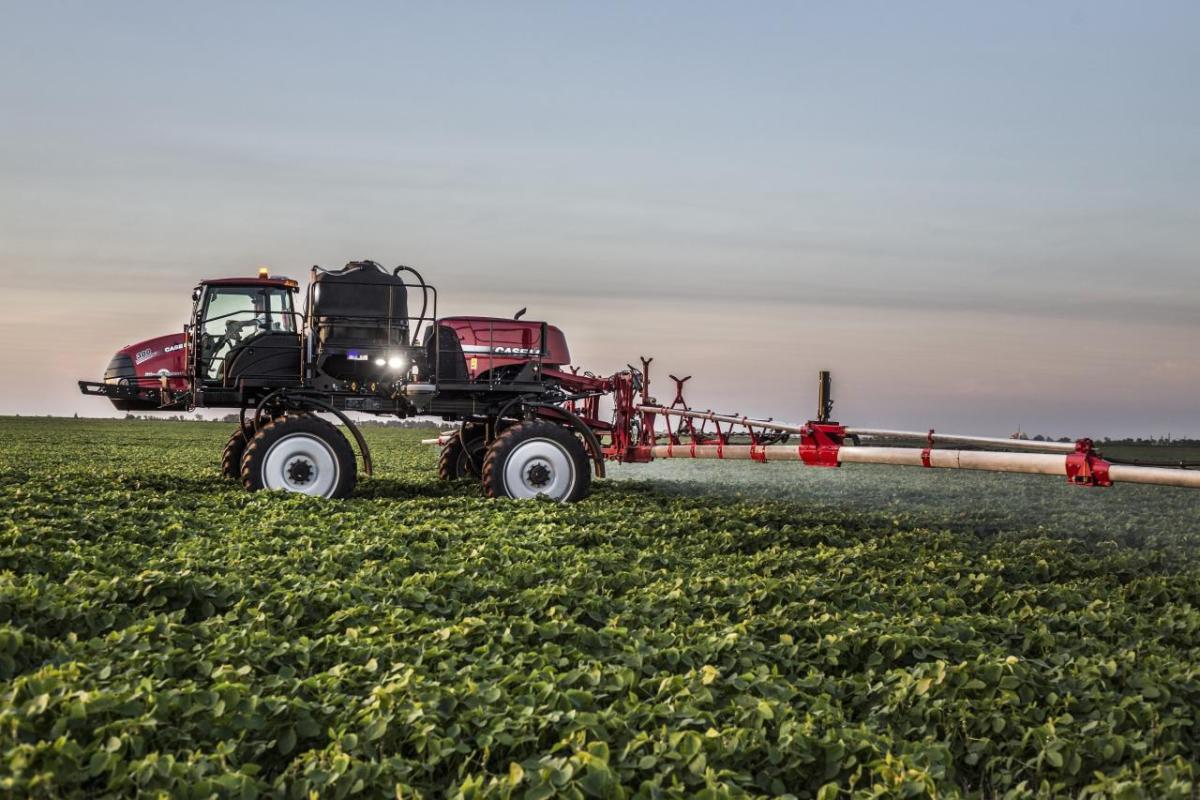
<point>692,629</point>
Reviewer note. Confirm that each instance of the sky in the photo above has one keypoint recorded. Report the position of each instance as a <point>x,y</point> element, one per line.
<point>979,216</point>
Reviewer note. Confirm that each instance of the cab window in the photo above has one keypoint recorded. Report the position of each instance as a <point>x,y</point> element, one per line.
<point>233,315</point>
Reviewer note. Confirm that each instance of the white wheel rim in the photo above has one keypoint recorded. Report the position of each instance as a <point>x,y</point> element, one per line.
<point>539,467</point>
<point>302,463</point>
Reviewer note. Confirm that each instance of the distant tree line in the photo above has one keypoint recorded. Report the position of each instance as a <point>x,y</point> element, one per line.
<point>1155,441</point>
<point>1159,441</point>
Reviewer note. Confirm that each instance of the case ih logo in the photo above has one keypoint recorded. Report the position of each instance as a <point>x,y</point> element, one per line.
<point>143,355</point>
<point>500,350</point>
<point>173,347</point>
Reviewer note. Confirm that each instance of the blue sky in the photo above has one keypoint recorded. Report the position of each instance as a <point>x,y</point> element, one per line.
<point>979,216</point>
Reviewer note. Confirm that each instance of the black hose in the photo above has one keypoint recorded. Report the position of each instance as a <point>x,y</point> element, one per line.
<point>424,295</point>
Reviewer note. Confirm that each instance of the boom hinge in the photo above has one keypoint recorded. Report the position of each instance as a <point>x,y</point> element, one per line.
<point>1085,467</point>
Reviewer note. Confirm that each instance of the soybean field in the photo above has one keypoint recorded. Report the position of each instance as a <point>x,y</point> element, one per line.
<point>691,629</point>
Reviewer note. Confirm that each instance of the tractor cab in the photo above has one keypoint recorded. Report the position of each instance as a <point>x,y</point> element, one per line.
<point>244,328</point>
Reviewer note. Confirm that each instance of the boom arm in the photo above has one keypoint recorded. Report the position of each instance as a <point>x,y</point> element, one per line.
<point>828,444</point>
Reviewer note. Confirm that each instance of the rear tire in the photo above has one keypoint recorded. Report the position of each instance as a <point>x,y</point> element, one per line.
<point>537,458</point>
<point>462,457</point>
<point>303,454</point>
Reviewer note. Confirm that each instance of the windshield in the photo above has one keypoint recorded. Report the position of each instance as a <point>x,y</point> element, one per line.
<point>234,315</point>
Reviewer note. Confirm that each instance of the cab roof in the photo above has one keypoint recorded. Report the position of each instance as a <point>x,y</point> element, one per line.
<point>274,280</point>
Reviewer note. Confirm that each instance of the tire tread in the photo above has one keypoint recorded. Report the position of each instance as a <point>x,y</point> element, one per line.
<point>231,456</point>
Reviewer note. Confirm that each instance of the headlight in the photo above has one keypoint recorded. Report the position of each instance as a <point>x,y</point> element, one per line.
<point>395,362</point>
<point>379,362</point>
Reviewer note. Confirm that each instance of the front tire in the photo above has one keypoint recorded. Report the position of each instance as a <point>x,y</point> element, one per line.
<point>535,459</point>
<point>304,454</point>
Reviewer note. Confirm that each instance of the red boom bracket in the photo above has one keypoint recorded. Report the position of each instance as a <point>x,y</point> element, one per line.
<point>927,453</point>
<point>1085,467</point>
<point>820,442</point>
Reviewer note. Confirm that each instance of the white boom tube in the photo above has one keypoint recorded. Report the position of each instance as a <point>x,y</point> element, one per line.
<point>1159,476</point>
<point>1034,463</point>
<point>951,438</point>
<point>938,438</point>
<point>1029,463</point>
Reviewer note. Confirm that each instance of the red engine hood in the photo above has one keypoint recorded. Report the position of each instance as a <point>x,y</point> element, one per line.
<point>145,365</point>
<point>162,355</point>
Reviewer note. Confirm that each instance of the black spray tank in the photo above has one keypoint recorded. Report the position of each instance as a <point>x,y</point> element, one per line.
<point>358,318</point>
